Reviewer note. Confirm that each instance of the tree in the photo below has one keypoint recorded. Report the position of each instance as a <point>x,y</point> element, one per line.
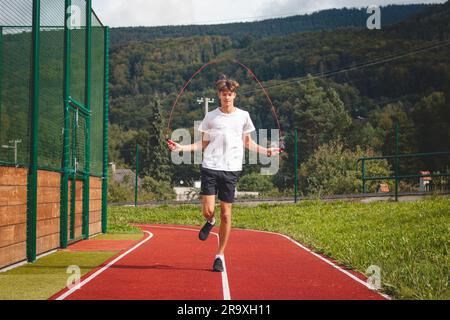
<point>119,140</point>
<point>319,116</point>
<point>384,119</point>
<point>431,117</point>
<point>156,162</point>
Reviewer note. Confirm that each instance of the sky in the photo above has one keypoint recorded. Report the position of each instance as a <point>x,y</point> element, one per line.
<point>123,13</point>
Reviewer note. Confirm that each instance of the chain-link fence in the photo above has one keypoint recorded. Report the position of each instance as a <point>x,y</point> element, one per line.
<point>53,95</point>
<point>15,78</point>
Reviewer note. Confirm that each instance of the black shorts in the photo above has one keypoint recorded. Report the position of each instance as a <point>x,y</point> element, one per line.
<point>218,182</point>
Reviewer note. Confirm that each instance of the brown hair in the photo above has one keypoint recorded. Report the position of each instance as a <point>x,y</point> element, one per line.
<point>225,84</point>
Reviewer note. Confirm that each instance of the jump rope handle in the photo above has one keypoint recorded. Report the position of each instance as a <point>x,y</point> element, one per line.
<point>169,141</point>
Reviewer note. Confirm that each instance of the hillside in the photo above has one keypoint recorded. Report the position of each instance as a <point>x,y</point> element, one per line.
<point>320,81</point>
<point>243,32</point>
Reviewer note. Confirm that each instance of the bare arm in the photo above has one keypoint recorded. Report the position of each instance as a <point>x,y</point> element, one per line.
<point>253,146</point>
<point>200,145</point>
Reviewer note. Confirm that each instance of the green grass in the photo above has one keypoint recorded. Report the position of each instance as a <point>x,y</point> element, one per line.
<point>47,276</point>
<point>409,241</point>
<point>120,236</point>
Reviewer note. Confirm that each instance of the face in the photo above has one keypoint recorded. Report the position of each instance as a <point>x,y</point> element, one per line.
<point>227,98</point>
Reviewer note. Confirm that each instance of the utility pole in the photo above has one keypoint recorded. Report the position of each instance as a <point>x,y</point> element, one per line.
<point>136,177</point>
<point>14,146</point>
<point>207,101</point>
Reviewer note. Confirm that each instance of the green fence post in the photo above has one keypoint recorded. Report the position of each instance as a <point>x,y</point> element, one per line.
<point>105,133</point>
<point>72,206</point>
<point>136,176</point>
<point>73,189</point>
<point>34,125</point>
<point>87,104</point>
<point>65,156</point>
<point>295,165</point>
<point>363,175</point>
<point>396,160</point>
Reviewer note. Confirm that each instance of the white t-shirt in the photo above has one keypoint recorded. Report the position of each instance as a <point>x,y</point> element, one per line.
<point>225,151</point>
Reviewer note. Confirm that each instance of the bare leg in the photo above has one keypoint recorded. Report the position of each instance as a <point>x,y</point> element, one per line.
<point>208,203</point>
<point>225,226</point>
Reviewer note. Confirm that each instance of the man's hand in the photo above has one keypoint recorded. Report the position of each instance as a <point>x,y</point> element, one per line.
<point>273,151</point>
<point>173,146</point>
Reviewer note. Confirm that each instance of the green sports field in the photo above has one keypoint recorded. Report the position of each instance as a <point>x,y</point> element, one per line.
<point>409,241</point>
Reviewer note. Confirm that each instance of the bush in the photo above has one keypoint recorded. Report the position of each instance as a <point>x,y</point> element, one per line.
<point>332,170</point>
<point>255,182</point>
<point>150,190</point>
<point>119,192</point>
<point>162,190</point>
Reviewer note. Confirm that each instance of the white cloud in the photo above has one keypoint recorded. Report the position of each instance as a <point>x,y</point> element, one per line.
<point>207,11</point>
<point>144,12</point>
<point>292,7</point>
<point>175,12</point>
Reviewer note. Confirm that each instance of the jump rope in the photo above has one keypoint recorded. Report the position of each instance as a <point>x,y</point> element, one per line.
<point>269,100</point>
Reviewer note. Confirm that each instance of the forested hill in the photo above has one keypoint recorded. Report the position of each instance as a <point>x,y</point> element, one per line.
<point>244,32</point>
<point>323,82</point>
<point>428,24</point>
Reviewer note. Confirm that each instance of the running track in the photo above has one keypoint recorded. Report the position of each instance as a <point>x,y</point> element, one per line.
<point>170,263</point>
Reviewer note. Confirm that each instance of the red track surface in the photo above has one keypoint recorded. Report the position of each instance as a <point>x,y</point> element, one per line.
<point>175,265</point>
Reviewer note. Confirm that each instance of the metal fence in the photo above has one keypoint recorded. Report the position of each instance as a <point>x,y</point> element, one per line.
<point>54,98</point>
<point>437,162</point>
<point>410,175</point>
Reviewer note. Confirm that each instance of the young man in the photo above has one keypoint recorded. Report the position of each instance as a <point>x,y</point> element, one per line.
<point>225,132</point>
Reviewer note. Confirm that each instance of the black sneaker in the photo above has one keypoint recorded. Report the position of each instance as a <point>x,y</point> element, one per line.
<point>205,230</point>
<point>218,265</point>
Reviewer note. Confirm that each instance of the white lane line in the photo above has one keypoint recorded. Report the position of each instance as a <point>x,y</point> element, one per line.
<point>98,272</point>
<point>225,283</point>
<point>331,263</point>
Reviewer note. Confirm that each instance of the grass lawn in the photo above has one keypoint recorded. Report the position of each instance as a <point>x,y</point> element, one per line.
<point>47,276</point>
<point>120,236</point>
<point>409,241</point>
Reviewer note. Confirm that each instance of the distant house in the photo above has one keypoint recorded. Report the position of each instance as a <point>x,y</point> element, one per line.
<point>125,176</point>
<point>382,188</point>
<point>424,181</point>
